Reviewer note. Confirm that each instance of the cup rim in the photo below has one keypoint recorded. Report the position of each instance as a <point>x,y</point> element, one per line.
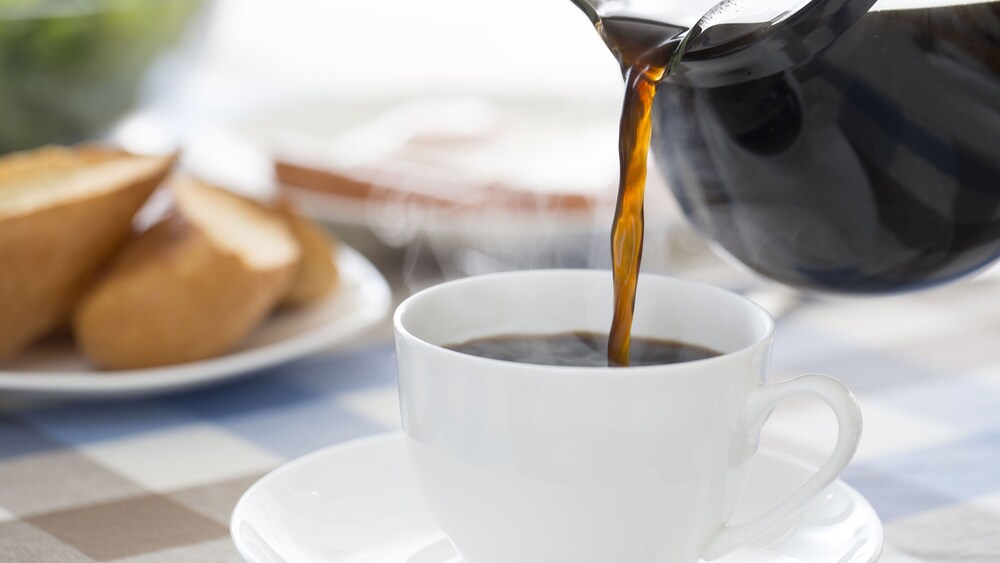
<point>637,371</point>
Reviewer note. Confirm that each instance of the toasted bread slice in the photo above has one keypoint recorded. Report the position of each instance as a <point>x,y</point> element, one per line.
<point>63,213</point>
<point>192,286</point>
<point>317,273</point>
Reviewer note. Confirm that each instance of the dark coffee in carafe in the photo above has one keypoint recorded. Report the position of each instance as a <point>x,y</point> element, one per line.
<point>844,149</point>
<point>869,165</point>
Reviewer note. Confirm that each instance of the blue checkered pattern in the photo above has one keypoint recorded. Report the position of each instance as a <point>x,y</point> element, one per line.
<point>926,369</point>
<point>289,410</point>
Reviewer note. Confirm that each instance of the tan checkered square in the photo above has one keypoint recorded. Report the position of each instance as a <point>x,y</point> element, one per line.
<point>129,527</point>
<point>215,551</point>
<point>215,501</point>
<point>23,542</point>
<point>49,481</point>
<point>953,533</point>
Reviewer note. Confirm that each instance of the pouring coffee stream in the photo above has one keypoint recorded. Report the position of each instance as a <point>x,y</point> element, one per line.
<point>648,51</point>
<point>835,145</point>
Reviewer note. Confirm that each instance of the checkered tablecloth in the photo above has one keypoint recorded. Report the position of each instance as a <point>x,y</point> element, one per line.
<point>155,480</point>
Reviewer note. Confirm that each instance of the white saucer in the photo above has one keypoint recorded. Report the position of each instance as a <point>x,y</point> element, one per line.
<point>359,503</point>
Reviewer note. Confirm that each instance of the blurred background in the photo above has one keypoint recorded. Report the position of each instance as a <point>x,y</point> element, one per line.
<point>402,131</point>
<point>439,139</point>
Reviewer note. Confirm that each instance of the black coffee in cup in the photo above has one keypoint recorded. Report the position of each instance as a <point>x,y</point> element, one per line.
<point>579,349</point>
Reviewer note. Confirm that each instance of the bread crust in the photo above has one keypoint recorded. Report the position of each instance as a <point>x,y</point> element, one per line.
<point>175,295</point>
<point>316,275</point>
<point>49,254</point>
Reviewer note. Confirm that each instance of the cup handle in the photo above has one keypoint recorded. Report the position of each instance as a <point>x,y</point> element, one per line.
<point>762,401</point>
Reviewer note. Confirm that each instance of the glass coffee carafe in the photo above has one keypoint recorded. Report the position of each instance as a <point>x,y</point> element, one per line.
<point>846,146</point>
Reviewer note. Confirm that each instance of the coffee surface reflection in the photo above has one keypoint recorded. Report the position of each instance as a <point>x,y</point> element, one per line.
<point>579,349</point>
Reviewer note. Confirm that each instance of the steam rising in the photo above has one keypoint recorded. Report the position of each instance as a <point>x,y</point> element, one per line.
<point>467,186</point>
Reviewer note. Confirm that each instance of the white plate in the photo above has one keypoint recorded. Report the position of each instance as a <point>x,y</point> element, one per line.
<point>362,299</point>
<point>359,502</point>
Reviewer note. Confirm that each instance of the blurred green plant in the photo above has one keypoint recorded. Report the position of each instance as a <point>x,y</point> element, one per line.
<point>70,68</point>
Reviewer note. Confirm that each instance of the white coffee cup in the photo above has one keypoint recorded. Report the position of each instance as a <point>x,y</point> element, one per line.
<point>524,463</point>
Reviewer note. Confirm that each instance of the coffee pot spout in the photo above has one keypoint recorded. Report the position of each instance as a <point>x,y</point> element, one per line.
<point>727,41</point>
